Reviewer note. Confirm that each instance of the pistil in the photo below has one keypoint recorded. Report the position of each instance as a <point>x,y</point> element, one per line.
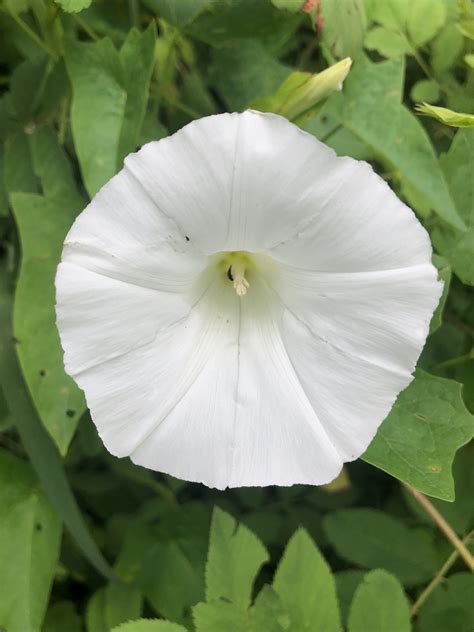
<point>236,273</point>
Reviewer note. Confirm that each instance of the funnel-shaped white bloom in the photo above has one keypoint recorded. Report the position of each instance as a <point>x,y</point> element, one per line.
<point>241,306</point>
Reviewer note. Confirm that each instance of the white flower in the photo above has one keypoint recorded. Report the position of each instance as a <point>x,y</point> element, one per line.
<point>241,306</point>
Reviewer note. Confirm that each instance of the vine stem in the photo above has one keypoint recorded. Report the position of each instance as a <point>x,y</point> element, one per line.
<point>438,578</point>
<point>446,528</point>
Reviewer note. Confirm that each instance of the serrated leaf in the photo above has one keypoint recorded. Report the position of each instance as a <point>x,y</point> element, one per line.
<point>149,625</point>
<point>304,582</point>
<point>268,613</point>
<point>373,539</point>
<point>30,536</point>
<point>379,604</point>
<point>371,109</point>
<point>219,616</point>
<point>235,557</point>
<point>458,167</point>
<point>418,440</point>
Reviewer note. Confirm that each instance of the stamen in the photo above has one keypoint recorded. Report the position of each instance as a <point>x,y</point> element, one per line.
<point>236,273</point>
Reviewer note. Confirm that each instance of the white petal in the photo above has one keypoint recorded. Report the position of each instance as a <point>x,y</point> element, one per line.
<point>245,420</point>
<point>361,225</point>
<point>380,316</point>
<point>252,177</point>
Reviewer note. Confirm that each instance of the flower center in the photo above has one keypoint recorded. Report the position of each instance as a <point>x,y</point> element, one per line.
<point>235,265</point>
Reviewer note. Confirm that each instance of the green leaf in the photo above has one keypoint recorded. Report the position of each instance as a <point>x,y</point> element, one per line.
<point>110,93</point>
<point>306,587</point>
<point>425,90</point>
<point>95,612</point>
<point>62,617</point>
<point>235,557</point>
<point>137,57</point>
<point>98,108</point>
<point>373,539</point>
<point>289,5</point>
<point>387,43</point>
<point>450,608</point>
<point>444,274</point>
<point>111,605</point>
<point>344,25</point>
<point>149,625</point>
<point>268,613</point>
<point>229,20</point>
<point>178,13</point>
<point>458,167</point>
<point>391,13</point>
<point>255,73</point>
<point>446,48</point>
<point>37,442</point>
<point>424,20</point>
<point>30,536</point>
<point>379,604</point>
<point>175,577</point>
<point>446,116</point>
<point>73,6</point>
<point>122,602</point>
<point>18,173</point>
<point>370,108</point>
<point>219,616</point>
<point>346,585</point>
<point>460,513</point>
<point>58,400</point>
<point>418,440</point>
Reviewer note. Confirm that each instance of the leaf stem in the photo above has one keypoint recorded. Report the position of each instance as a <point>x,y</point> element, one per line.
<point>85,27</point>
<point>447,364</point>
<point>29,31</point>
<point>134,12</point>
<point>438,578</point>
<point>444,526</point>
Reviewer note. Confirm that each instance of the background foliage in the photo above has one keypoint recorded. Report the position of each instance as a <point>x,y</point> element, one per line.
<point>89,542</point>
